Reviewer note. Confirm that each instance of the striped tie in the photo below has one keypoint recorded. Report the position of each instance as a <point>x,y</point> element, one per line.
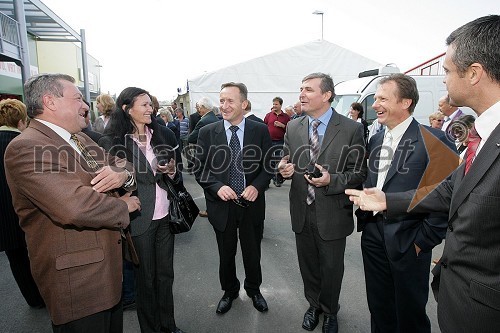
<point>313,153</point>
<point>91,162</point>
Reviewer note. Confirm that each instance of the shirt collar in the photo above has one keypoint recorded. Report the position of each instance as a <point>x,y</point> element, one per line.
<point>9,128</point>
<point>486,123</point>
<point>241,125</point>
<point>58,129</point>
<point>400,129</point>
<point>324,118</point>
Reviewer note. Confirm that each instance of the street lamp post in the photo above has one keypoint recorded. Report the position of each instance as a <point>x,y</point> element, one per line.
<point>319,12</point>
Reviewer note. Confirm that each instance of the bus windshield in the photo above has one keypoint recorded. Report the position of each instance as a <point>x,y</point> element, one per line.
<point>342,103</point>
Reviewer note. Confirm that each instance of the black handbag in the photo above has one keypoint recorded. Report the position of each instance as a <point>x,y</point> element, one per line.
<point>182,210</point>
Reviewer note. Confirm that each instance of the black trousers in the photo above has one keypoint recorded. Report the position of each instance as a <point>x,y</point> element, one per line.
<point>321,264</point>
<point>155,278</point>
<point>240,223</point>
<point>108,321</point>
<point>20,266</point>
<point>397,291</point>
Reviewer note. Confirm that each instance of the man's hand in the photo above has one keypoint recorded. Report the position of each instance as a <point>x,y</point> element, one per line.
<point>279,124</point>
<point>133,202</point>
<point>370,199</point>
<point>226,193</point>
<point>285,168</point>
<point>250,193</point>
<point>108,179</point>
<point>324,180</point>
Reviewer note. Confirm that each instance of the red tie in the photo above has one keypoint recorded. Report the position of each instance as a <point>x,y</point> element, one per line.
<point>473,142</point>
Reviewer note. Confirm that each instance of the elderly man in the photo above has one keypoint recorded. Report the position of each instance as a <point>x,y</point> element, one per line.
<point>60,182</point>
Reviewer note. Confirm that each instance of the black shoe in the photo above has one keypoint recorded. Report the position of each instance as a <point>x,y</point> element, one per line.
<point>311,318</point>
<point>259,303</point>
<point>225,304</point>
<point>330,324</point>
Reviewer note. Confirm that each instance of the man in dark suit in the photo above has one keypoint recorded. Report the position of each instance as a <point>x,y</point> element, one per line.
<point>248,113</point>
<point>321,213</point>
<point>234,168</point>
<point>72,227</point>
<point>204,107</point>
<point>470,281</point>
<point>194,118</point>
<point>397,252</point>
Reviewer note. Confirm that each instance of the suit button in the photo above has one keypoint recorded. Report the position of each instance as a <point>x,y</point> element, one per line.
<point>444,264</point>
<point>119,241</point>
<point>450,227</point>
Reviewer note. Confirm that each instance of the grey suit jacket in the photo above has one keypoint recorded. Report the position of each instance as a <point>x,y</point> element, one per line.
<point>469,295</point>
<point>342,153</point>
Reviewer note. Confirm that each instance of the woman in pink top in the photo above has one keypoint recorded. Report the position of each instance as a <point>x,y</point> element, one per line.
<point>134,134</point>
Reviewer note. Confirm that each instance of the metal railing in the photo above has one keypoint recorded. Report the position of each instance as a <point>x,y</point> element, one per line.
<point>9,31</point>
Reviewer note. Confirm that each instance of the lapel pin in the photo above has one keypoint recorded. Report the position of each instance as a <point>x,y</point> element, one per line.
<point>498,144</point>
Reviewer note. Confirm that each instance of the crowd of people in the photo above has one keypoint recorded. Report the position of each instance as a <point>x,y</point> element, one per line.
<point>76,195</point>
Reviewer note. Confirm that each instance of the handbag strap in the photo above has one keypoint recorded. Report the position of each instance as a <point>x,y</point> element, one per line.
<point>170,185</point>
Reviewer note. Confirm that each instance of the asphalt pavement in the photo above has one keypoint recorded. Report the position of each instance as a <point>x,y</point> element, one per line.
<point>197,289</point>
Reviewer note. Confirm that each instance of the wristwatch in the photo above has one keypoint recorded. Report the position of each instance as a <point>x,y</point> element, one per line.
<point>130,179</point>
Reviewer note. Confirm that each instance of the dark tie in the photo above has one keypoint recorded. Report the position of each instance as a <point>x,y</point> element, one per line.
<point>91,162</point>
<point>313,154</point>
<point>473,142</point>
<point>236,176</point>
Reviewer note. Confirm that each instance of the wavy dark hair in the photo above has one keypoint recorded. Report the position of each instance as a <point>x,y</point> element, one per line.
<point>120,122</point>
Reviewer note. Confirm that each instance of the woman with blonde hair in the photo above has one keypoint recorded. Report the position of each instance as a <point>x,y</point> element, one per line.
<point>105,105</point>
<point>13,120</point>
<point>436,120</point>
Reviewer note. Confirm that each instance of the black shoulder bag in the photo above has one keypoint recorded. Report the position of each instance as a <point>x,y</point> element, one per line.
<point>182,210</point>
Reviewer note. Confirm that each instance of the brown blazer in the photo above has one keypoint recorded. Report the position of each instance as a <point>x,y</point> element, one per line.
<point>72,232</point>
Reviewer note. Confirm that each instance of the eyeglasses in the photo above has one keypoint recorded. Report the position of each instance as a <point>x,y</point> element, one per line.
<point>241,202</point>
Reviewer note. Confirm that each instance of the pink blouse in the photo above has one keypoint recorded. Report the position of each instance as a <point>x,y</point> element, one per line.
<point>161,202</point>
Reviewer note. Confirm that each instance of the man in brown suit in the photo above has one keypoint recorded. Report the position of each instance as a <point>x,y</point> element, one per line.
<point>72,226</point>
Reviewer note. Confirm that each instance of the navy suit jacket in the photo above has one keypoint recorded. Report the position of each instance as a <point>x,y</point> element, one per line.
<point>212,168</point>
<point>408,165</point>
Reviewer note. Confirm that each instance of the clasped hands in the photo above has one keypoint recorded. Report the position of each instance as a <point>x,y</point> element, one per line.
<point>226,193</point>
<point>287,169</point>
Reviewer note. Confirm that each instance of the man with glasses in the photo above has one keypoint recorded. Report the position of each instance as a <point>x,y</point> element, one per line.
<point>234,168</point>
<point>72,226</point>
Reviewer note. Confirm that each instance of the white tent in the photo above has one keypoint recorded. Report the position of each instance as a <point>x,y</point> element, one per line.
<point>280,74</point>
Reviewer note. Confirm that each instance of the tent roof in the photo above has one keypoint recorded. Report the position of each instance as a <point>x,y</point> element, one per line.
<point>282,71</point>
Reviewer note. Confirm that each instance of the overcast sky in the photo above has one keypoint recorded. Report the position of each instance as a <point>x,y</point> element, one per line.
<point>158,44</point>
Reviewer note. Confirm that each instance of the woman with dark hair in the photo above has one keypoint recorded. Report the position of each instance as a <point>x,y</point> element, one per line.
<point>134,134</point>
<point>356,113</point>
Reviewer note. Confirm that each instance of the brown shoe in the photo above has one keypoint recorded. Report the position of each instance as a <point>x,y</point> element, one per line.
<point>203,213</point>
